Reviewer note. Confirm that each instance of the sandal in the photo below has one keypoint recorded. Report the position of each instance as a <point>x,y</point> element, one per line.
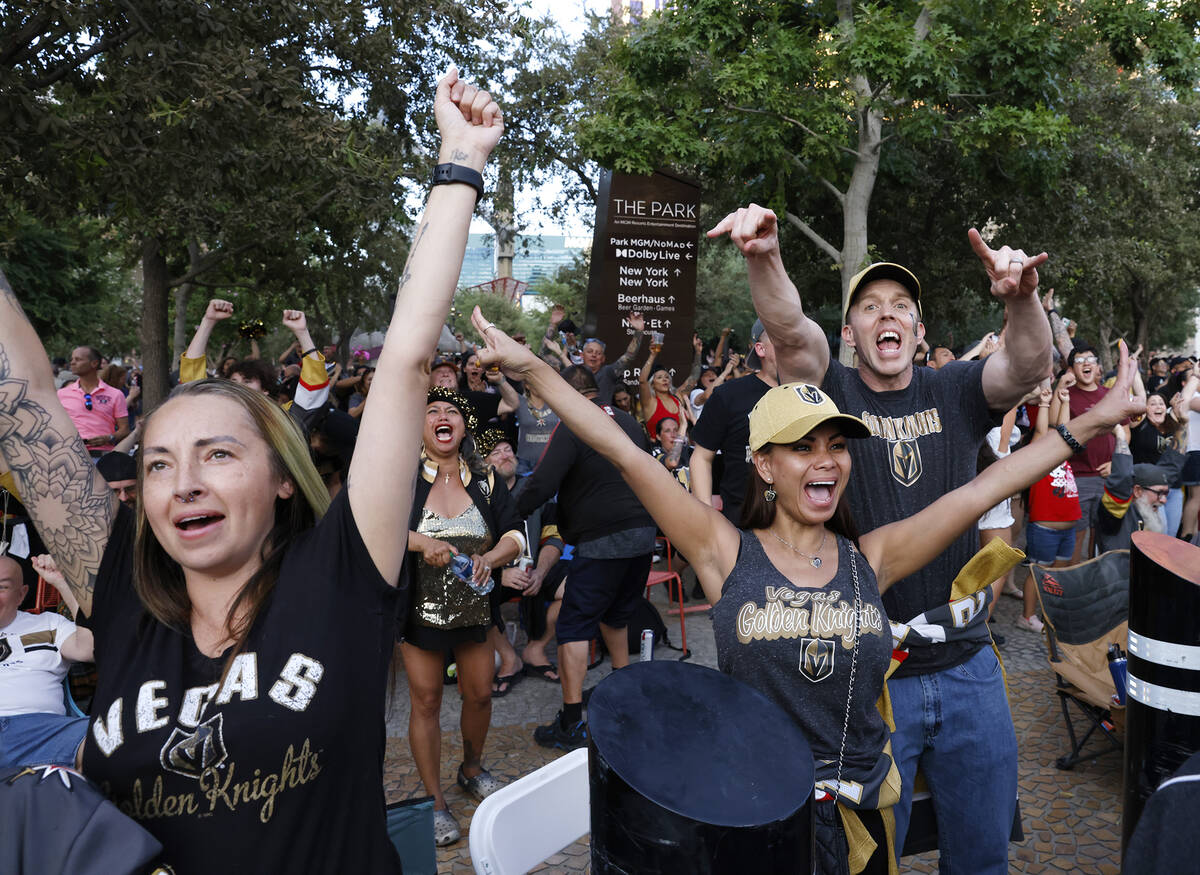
<point>445,828</point>
<point>502,684</point>
<point>481,786</point>
<point>545,672</point>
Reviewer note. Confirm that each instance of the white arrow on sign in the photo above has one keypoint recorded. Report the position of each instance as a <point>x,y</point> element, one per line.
<point>677,273</point>
<point>671,298</point>
<point>667,323</point>
<point>688,256</point>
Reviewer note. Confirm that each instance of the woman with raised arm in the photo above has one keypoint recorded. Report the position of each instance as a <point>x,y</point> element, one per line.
<point>797,612</point>
<point>245,624</point>
<point>659,398</point>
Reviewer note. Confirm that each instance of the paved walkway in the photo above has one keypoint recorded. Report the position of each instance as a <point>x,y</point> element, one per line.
<point>1071,819</point>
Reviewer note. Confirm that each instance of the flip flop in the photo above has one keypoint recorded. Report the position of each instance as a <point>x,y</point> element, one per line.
<point>545,672</point>
<point>506,682</point>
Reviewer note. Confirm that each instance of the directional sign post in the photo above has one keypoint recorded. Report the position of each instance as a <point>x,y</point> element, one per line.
<point>644,258</point>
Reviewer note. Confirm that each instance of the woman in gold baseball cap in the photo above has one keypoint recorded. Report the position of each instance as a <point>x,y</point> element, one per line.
<point>795,590</point>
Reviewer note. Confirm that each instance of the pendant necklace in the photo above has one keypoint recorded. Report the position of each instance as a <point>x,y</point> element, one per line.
<point>814,558</point>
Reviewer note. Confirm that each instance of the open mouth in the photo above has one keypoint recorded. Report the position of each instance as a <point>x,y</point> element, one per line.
<point>444,433</point>
<point>198,522</point>
<point>888,341</point>
<point>820,491</point>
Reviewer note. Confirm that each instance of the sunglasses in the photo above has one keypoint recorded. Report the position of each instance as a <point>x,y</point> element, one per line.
<point>87,400</point>
<point>594,340</point>
<point>1086,360</point>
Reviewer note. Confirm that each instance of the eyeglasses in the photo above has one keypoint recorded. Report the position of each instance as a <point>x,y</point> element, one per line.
<point>87,400</point>
<point>1086,360</point>
<point>1161,491</point>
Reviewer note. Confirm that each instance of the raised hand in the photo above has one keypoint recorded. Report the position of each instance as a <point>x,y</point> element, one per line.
<point>753,229</point>
<point>1048,301</point>
<point>469,121</point>
<point>636,321</point>
<point>1117,406</point>
<point>500,349</point>
<point>218,310</point>
<point>46,568</point>
<point>1012,273</point>
<point>295,321</point>
<point>557,315</point>
<point>697,344</point>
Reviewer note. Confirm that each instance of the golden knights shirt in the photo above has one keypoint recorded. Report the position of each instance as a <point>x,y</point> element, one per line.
<point>795,645</point>
<point>924,442</point>
<point>279,768</point>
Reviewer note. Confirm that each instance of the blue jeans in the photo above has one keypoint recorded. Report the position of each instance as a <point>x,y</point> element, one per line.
<point>1173,510</point>
<point>40,739</point>
<point>956,725</point>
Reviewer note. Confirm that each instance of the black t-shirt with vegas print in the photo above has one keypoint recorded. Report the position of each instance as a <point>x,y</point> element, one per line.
<point>278,770</point>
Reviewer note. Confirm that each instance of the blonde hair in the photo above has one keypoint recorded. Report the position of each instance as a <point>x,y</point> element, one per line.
<point>158,579</point>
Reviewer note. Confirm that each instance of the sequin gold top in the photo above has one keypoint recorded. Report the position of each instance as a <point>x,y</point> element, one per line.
<point>442,600</point>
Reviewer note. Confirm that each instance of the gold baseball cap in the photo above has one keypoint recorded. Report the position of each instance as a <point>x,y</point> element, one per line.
<point>789,412</point>
<point>883,270</point>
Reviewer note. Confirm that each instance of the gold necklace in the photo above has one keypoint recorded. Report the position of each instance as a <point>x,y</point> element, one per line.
<point>813,558</point>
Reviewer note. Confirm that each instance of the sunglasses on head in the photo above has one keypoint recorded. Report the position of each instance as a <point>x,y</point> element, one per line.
<point>87,400</point>
<point>594,340</point>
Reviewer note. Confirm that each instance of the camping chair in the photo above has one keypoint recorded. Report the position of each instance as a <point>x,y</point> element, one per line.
<point>532,818</point>
<point>1086,608</point>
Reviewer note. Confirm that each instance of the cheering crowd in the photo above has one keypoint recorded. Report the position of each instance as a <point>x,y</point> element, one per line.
<point>234,564</point>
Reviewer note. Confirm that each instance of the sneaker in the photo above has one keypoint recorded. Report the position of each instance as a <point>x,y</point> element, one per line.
<point>553,735</point>
<point>1030,624</point>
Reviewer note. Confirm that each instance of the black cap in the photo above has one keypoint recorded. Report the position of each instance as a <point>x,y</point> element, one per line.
<point>115,466</point>
<point>752,360</point>
<point>1146,475</point>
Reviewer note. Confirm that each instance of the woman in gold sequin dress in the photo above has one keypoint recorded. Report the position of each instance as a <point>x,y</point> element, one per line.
<point>458,508</point>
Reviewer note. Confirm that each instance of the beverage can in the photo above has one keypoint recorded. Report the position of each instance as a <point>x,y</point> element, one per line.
<point>647,649</point>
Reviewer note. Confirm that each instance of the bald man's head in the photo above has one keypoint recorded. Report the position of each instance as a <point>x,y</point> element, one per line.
<point>12,589</point>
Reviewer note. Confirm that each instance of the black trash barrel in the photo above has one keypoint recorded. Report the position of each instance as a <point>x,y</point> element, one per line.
<point>692,771</point>
<point>1162,716</point>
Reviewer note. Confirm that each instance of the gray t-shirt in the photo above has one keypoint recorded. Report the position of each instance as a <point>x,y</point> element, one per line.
<point>925,441</point>
<point>534,432</point>
<point>795,646</point>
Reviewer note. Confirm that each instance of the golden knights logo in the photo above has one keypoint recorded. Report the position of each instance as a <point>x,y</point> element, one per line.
<point>190,753</point>
<point>810,394</point>
<point>906,462</point>
<point>816,658</point>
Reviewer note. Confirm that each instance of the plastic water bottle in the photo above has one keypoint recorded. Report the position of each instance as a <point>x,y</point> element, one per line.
<point>1118,668</point>
<point>463,568</point>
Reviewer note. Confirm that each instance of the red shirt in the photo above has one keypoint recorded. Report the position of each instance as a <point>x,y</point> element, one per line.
<point>1055,498</point>
<point>108,405</point>
<point>1099,449</point>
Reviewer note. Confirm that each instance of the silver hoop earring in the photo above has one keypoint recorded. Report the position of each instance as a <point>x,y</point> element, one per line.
<point>770,494</point>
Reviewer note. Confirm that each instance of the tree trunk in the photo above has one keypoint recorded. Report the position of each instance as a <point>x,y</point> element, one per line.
<point>155,293</point>
<point>503,224</point>
<point>857,203</point>
<point>183,295</point>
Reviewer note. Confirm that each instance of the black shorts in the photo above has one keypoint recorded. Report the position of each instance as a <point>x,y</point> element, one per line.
<point>600,591</point>
<point>1190,475</point>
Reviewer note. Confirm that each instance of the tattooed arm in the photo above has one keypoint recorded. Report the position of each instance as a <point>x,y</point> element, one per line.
<point>385,462</point>
<point>71,505</point>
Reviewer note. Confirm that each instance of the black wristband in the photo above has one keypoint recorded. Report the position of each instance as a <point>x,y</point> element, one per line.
<point>307,351</point>
<point>1069,438</point>
<point>444,174</point>
<point>1054,311</point>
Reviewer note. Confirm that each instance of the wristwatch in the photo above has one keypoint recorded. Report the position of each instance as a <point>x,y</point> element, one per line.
<point>445,174</point>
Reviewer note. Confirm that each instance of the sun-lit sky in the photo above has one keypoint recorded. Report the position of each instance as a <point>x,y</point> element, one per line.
<point>571,16</point>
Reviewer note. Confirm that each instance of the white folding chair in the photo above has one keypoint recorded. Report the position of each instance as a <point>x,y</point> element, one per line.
<point>532,818</point>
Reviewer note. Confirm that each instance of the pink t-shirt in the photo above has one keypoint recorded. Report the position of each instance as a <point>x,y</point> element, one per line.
<point>108,405</point>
